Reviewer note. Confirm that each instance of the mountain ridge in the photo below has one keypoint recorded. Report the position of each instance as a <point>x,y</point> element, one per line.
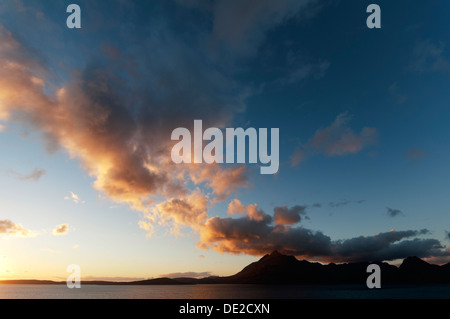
<point>277,268</point>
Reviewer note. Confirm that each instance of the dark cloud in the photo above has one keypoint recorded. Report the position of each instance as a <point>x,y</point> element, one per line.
<point>258,237</point>
<point>387,246</point>
<point>339,204</point>
<point>393,212</point>
<point>345,203</point>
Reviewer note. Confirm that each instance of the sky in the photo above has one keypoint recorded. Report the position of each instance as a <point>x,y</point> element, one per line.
<point>86,116</point>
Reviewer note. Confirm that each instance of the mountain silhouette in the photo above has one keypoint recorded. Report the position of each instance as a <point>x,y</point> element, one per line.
<point>277,268</point>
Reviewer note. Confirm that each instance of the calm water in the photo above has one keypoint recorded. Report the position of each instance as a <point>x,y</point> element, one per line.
<point>221,292</point>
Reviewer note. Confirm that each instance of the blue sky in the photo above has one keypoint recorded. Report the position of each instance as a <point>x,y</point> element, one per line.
<point>363,117</point>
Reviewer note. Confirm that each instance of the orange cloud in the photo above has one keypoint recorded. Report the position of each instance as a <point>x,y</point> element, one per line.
<point>223,181</point>
<point>288,216</point>
<point>190,210</point>
<point>235,208</point>
<point>252,211</point>
<point>62,229</point>
<point>9,228</point>
<point>127,155</point>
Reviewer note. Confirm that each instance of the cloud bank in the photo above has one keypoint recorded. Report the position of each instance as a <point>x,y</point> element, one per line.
<point>261,236</point>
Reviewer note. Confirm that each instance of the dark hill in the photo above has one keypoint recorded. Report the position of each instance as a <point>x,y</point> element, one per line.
<point>277,268</point>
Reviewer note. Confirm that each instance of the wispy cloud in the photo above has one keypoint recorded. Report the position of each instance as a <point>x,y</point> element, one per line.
<point>345,203</point>
<point>337,139</point>
<point>394,90</point>
<point>415,154</point>
<point>75,198</point>
<point>392,212</point>
<point>430,57</point>
<point>242,25</point>
<point>34,176</point>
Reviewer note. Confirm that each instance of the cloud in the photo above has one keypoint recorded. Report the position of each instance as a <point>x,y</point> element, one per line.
<point>288,216</point>
<point>190,210</point>
<point>34,176</point>
<point>337,139</point>
<point>429,57</point>
<point>9,228</point>
<point>415,154</point>
<point>251,211</point>
<point>223,181</point>
<point>393,212</point>
<point>388,246</point>
<point>236,208</point>
<point>119,128</point>
<point>242,24</point>
<point>344,203</point>
<point>299,69</point>
<point>395,92</point>
<point>75,198</point>
<point>188,274</point>
<point>339,204</point>
<point>62,229</point>
<point>297,157</point>
<point>261,236</point>
<point>116,112</point>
